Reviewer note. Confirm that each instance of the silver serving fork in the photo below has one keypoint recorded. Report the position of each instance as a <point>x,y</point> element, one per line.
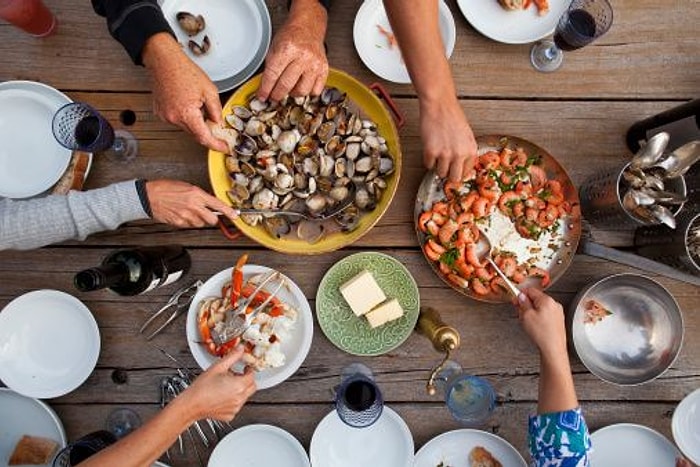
<point>180,301</point>
<point>238,321</point>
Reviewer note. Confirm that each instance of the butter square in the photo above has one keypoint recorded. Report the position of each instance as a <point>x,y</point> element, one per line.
<point>362,293</point>
<point>384,313</point>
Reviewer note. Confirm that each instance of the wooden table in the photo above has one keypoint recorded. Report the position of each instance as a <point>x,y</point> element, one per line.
<point>649,61</point>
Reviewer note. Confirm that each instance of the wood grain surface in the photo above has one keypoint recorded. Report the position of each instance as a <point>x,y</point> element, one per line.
<point>648,62</point>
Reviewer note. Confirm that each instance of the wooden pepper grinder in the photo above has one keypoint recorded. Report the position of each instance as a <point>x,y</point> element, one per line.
<point>443,337</point>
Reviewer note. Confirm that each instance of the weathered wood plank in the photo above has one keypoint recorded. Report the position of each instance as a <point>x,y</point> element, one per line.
<point>625,63</point>
<point>424,420</point>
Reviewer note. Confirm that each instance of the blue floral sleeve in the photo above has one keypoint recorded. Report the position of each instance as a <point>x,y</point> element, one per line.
<point>559,439</point>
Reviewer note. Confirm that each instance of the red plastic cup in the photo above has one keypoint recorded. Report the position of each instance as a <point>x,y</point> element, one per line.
<point>30,15</point>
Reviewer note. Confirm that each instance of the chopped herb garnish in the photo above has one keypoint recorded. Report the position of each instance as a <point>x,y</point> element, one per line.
<point>535,159</point>
<point>449,257</point>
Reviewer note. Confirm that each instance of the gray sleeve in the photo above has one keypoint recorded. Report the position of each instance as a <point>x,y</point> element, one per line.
<point>26,224</point>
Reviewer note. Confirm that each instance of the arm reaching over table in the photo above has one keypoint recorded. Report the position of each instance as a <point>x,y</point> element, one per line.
<point>448,142</point>
<point>558,431</point>
<point>182,93</point>
<point>33,223</point>
<point>296,63</point>
<point>217,394</point>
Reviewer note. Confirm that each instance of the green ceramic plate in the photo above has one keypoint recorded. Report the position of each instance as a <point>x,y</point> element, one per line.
<point>352,334</point>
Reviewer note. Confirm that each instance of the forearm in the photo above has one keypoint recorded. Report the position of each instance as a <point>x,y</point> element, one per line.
<point>556,387</point>
<point>145,445</point>
<point>309,12</point>
<point>132,23</point>
<point>418,34</point>
<point>159,51</point>
<point>26,224</point>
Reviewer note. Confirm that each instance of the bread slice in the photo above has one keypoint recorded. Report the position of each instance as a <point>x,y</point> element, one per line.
<point>480,457</point>
<point>74,176</point>
<point>33,450</point>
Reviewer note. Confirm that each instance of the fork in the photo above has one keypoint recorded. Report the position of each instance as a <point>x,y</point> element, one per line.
<point>240,322</point>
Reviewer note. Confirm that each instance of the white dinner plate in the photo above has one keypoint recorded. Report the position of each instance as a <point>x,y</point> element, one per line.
<point>32,161</point>
<point>373,46</point>
<point>686,426</point>
<point>259,446</point>
<point>512,26</point>
<point>633,445</point>
<point>295,347</point>
<point>386,443</point>
<point>453,448</point>
<point>50,344</point>
<point>21,415</point>
<point>239,32</point>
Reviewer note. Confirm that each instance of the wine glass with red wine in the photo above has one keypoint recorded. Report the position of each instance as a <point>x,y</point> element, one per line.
<point>79,127</point>
<point>358,400</point>
<point>582,23</point>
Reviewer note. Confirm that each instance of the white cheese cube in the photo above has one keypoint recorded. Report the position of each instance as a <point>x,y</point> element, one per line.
<point>362,293</point>
<point>384,313</point>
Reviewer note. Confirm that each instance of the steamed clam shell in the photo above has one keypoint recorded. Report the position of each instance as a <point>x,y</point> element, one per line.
<point>189,23</point>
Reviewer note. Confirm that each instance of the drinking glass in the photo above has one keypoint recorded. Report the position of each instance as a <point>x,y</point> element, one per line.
<point>582,23</point>
<point>32,16</point>
<point>77,126</point>
<point>469,399</point>
<point>358,400</point>
<point>121,422</point>
<point>83,448</point>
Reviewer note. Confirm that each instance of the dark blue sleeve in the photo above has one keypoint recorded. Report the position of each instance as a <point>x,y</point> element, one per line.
<point>132,23</point>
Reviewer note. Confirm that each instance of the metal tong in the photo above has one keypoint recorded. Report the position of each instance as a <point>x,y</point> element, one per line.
<point>237,321</point>
<point>179,302</point>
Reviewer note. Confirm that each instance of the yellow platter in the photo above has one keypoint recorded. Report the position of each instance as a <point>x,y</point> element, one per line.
<point>371,107</point>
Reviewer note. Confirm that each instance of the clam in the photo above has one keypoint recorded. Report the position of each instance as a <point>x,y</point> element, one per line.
<point>277,226</point>
<point>242,112</point>
<point>363,199</point>
<point>288,140</point>
<point>265,199</point>
<point>191,24</point>
<point>386,165</point>
<point>372,142</point>
<point>340,168</point>
<point>256,105</point>
<point>235,122</point>
<point>246,146</point>
<point>256,184</point>
<point>363,165</point>
<point>284,181</point>
<point>339,193</point>
<point>307,145</point>
<point>348,218</point>
<point>199,49</point>
<point>310,167</point>
<point>238,194</point>
<point>254,127</point>
<point>316,203</point>
<point>232,165</point>
<point>331,95</point>
<point>352,151</point>
<point>326,166</point>
<point>310,231</point>
<point>335,146</point>
<point>326,131</point>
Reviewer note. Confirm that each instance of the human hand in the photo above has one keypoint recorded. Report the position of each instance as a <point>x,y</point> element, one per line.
<point>183,205</point>
<point>542,318</point>
<point>182,93</point>
<point>296,64</point>
<point>218,393</point>
<point>681,462</point>
<point>448,141</point>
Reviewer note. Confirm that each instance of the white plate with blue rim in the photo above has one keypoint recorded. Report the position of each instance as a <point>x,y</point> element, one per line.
<point>239,33</point>
<point>371,33</point>
<point>387,442</point>
<point>51,343</point>
<point>21,415</point>
<point>633,445</point>
<point>512,26</point>
<point>32,161</point>
<point>259,446</point>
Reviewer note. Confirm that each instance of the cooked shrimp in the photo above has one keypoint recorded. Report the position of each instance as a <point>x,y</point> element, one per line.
<point>481,207</point>
<point>509,197</point>
<point>539,272</point>
<point>448,232</point>
<point>478,287</point>
<point>390,38</point>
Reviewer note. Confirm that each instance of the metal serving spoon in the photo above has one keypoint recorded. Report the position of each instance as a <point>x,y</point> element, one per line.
<point>650,153</point>
<point>485,243</point>
<point>679,161</point>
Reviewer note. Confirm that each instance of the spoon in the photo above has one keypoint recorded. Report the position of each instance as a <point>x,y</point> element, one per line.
<point>649,154</point>
<point>679,161</point>
<point>484,239</point>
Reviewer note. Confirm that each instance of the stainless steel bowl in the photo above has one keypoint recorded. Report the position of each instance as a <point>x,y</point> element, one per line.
<point>639,340</point>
